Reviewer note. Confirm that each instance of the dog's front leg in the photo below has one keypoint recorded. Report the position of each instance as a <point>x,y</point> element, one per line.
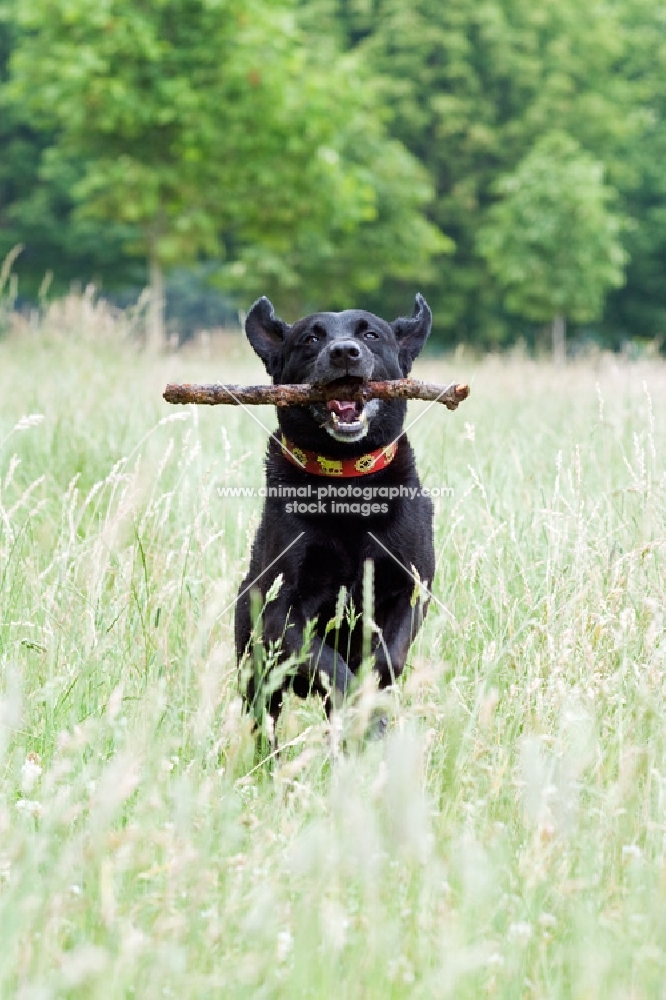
<point>400,621</point>
<point>318,667</point>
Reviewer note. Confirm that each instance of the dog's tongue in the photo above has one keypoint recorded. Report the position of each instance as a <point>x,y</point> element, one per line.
<point>346,411</point>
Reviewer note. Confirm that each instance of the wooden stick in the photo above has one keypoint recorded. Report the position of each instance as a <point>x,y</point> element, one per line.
<point>299,395</point>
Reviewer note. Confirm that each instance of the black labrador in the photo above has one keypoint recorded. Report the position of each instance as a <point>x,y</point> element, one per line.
<point>342,488</point>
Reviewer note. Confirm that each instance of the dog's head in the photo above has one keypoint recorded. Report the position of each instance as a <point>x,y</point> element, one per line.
<point>326,348</point>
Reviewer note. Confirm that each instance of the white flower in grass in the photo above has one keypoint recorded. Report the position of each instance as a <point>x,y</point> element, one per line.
<point>83,963</point>
<point>520,932</point>
<point>334,924</point>
<point>408,974</point>
<point>469,433</point>
<point>631,852</point>
<point>30,773</point>
<point>400,969</point>
<point>29,807</point>
<point>285,942</point>
<point>32,420</point>
<point>627,619</point>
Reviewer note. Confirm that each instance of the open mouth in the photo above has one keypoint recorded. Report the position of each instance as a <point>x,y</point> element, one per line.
<point>347,419</point>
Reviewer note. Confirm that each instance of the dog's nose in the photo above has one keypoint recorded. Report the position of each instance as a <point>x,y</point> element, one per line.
<point>344,353</point>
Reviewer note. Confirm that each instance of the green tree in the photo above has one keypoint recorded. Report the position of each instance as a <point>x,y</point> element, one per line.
<point>208,125</point>
<point>471,87</point>
<point>639,307</point>
<point>551,240</point>
<point>37,209</point>
<point>357,225</point>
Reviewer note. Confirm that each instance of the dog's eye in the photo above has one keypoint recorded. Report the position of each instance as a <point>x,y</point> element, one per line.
<point>370,335</point>
<point>317,333</point>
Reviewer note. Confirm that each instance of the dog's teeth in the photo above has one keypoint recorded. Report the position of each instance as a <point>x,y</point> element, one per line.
<point>347,430</point>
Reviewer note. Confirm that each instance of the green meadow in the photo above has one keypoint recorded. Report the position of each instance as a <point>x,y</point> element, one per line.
<point>507,838</point>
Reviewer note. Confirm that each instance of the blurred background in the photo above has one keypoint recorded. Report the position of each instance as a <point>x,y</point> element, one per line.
<point>505,158</point>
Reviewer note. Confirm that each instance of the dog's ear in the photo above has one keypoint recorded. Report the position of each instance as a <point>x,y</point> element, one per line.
<point>266,333</point>
<point>412,334</point>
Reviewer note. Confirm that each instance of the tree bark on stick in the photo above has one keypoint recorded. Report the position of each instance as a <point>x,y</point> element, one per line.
<point>299,395</point>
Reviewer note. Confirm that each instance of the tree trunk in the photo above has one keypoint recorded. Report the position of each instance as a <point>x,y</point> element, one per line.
<point>155,329</point>
<point>559,330</point>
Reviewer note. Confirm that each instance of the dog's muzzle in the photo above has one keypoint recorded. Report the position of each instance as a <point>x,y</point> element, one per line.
<point>346,363</point>
<point>345,420</point>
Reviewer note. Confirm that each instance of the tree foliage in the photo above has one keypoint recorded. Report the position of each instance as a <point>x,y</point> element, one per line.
<point>639,308</point>
<point>37,208</point>
<point>551,240</point>
<point>335,151</point>
<point>472,87</point>
<point>209,125</point>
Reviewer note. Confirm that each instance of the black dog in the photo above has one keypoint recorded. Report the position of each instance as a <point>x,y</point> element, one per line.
<point>320,546</point>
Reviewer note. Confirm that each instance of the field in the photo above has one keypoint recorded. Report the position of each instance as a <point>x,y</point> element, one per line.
<point>506,839</point>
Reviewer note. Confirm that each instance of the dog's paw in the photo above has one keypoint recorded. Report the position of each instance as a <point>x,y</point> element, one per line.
<point>377,727</point>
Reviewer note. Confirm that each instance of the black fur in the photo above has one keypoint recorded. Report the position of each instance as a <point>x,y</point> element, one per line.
<point>333,548</point>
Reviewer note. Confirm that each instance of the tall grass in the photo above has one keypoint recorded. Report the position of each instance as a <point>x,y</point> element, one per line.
<point>506,839</point>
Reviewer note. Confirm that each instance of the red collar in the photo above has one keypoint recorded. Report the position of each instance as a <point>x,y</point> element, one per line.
<point>345,468</point>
